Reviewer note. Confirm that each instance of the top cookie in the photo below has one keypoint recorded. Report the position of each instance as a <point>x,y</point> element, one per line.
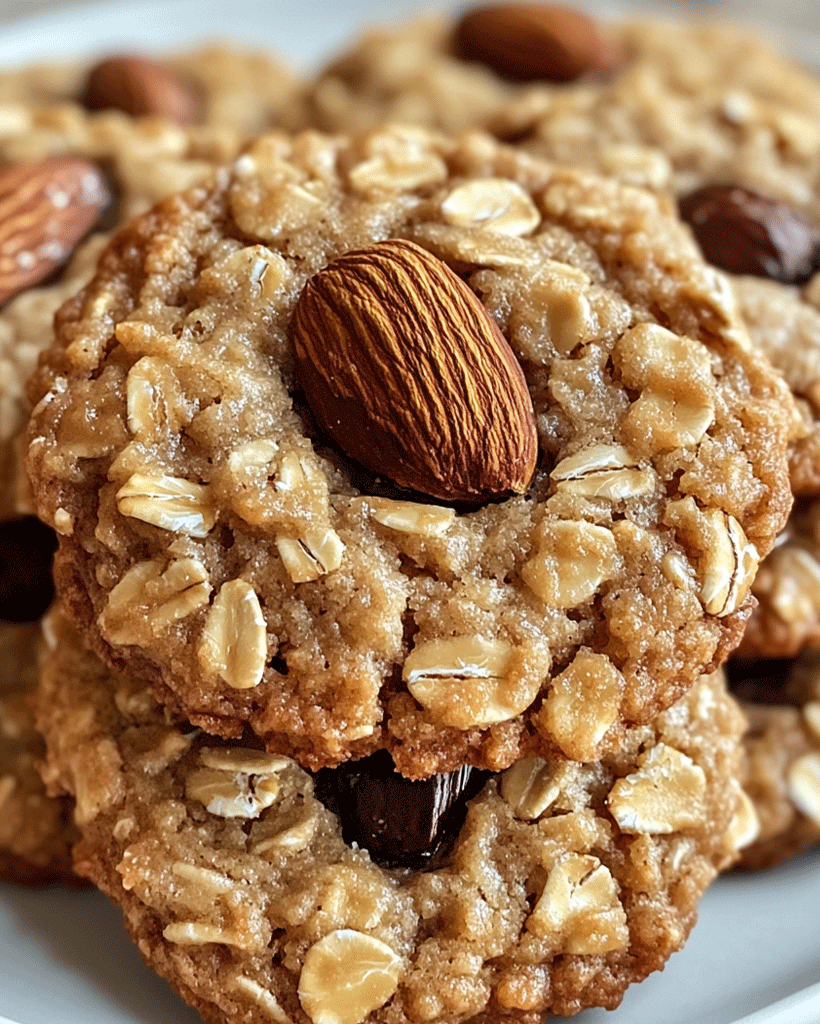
<point>688,107</point>
<point>219,541</point>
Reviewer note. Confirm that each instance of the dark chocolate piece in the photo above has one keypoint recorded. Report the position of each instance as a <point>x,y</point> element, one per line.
<point>760,680</point>
<point>745,232</point>
<point>403,823</point>
<point>26,550</point>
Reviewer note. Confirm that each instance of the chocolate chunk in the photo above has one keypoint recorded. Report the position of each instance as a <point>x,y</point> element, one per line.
<point>760,681</point>
<point>26,587</point>
<point>745,232</point>
<point>403,823</point>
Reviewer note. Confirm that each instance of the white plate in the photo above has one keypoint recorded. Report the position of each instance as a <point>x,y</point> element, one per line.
<point>64,958</point>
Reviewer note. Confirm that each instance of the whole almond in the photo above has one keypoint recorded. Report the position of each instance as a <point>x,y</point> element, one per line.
<point>46,208</point>
<point>141,88</point>
<point>409,374</point>
<point>532,42</point>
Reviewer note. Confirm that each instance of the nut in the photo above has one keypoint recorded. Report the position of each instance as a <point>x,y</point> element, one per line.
<point>141,88</point>
<point>347,975</point>
<point>664,795</point>
<point>234,641</point>
<point>579,906</point>
<point>406,370</point>
<point>528,42</point>
<point>46,208</point>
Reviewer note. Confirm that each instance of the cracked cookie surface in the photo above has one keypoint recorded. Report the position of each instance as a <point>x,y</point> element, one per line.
<point>200,503</point>
<point>567,882</point>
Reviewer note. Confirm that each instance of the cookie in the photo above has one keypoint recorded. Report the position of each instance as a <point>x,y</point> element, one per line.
<point>407,74</point>
<point>781,771</point>
<point>785,323</point>
<point>108,167</point>
<point>36,831</point>
<point>214,86</point>
<point>133,162</point>
<point>710,115</point>
<point>787,618</point>
<point>215,494</point>
<point>564,884</point>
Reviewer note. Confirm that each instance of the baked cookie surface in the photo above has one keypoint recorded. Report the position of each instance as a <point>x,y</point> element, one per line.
<point>203,501</point>
<point>565,883</point>
<point>781,771</point>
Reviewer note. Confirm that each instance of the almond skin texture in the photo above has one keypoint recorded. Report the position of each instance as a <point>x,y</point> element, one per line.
<point>409,374</point>
<point>141,88</point>
<point>46,208</point>
<point>537,42</point>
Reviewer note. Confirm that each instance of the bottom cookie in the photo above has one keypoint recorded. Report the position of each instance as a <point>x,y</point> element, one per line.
<point>781,774</point>
<point>36,831</point>
<point>566,883</point>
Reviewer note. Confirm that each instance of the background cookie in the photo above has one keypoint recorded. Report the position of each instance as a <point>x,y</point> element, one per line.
<point>566,883</point>
<point>215,85</point>
<point>781,772</point>
<point>206,497</point>
<point>36,831</point>
<point>787,587</point>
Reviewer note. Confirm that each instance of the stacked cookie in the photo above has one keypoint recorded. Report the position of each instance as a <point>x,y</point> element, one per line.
<point>375,477</point>
<point>410,491</point>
